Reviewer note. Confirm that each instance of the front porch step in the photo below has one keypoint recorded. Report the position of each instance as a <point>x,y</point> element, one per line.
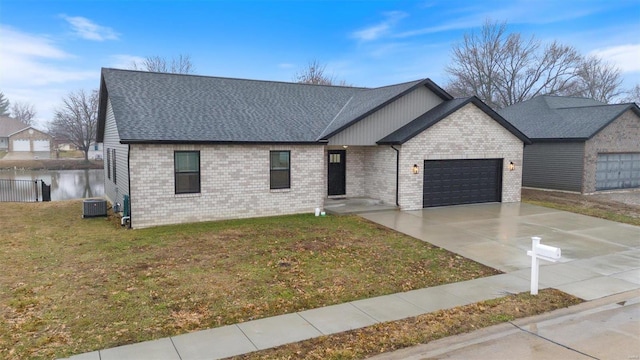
<point>347,206</point>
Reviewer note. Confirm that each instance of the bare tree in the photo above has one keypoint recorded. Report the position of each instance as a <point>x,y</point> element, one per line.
<point>503,68</point>
<point>599,80</point>
<point>633,95</point>
<point>314,73</point>
<point>23,111</point>
<point>77,119</point>
<point>180,65</point>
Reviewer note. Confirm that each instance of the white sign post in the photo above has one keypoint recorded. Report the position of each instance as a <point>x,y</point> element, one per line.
<point>540,251</point>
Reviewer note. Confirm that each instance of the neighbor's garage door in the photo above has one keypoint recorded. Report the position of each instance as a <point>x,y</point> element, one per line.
<point>618,171</point>
<point>21,145</point>
<point>41,145</point>
<point>453,182</point>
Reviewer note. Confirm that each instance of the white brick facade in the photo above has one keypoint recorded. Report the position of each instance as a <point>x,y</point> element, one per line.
<point>381,174</point>
<point>235,178</point>
<point>468,133</point>
<point>371,172</point>
<point>234,183</point>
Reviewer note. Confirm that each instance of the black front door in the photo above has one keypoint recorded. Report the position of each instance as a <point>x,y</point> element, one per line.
<point>337,172</point>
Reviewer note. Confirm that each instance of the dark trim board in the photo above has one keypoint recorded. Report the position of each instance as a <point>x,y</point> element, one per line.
<point>464,181</point>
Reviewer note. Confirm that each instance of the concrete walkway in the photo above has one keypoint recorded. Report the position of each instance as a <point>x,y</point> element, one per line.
<point>600,258</point>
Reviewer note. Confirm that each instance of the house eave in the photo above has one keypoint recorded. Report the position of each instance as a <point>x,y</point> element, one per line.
<point>216,142</point>
<point>558,140</point>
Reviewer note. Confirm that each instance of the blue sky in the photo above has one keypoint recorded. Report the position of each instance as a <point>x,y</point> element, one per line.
<point>48,48</point>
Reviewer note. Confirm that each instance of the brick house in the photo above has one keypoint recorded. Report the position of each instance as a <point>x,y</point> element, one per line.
<point>188,148</point>
<point>578,144</point>
<point>16,136</point>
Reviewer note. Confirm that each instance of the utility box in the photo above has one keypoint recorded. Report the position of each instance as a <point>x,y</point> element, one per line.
<point>94,208</point>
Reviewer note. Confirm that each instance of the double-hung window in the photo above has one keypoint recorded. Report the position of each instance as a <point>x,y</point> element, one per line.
<point>279,166</point>
<point>187,172</point>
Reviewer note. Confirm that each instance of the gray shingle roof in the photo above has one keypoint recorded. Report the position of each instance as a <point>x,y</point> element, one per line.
<point>562,118</point>
<point>156,107</point>
<point>10,125</point>
<point>440,112</point>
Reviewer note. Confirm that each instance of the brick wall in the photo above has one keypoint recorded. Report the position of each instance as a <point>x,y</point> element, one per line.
<point>31,135</point>
<point>355,170</point>
<point>234,183</point>
<point>621,136</point>
<point>380,174</point>
<point>468,133</point>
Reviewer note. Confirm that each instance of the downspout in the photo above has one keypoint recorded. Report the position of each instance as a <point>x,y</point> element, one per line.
<point>129,181</point>
<point>397,173</point>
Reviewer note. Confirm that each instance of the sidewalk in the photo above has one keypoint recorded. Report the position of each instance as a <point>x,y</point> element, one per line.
<point>270,332</point>
<point>600,259</point>
<point>265,333</point>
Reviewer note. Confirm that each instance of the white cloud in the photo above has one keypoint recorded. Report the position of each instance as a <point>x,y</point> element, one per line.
<point>286,66</point>
<point>22,44</point>
<point>32,60</point>
<point>626,57</point>
<point>513,12</point>
<point>376,31</point>
<point>87,29</point>
<point>34,69</point>
<point>123,61</point>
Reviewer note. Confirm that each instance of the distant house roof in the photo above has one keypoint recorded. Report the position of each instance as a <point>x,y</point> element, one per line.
<point>10,126</point>
<point>559,118</point>
<point>175,108</point>
<point>440,112</point>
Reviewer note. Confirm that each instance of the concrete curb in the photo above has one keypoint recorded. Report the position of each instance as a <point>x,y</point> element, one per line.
<point>442,346</point>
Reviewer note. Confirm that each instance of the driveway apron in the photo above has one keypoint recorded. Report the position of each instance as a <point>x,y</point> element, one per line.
<point>599,257</point>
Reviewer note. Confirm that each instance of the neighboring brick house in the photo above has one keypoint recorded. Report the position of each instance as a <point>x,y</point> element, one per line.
<point>188,148</point>
<point>579,144</point>
<point>9,126</point>
<point>16,136</point>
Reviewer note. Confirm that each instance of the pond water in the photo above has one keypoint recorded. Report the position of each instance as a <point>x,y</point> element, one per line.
<point>65,184</point>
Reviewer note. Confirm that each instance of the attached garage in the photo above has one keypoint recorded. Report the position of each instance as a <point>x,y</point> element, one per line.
<point>21,145</point>
<point>460,152</point>
<point>465,181</point>
<point>618,171</point>
<point>41,145</point>
<point>30,140</point>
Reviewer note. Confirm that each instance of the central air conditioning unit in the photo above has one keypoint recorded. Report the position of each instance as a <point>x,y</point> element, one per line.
<point>94,208</point>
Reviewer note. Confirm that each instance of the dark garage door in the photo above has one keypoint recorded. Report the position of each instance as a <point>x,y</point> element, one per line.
<point>454,182</point>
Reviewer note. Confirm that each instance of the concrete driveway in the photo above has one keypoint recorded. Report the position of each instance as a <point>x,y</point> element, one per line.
<point>27,155</point>
<point>600,262</point>
<point>599,257</point>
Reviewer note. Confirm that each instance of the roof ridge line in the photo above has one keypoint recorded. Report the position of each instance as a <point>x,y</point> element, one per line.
<point>235,78</point>
<point>334,118</point>
<point>587,106</point>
